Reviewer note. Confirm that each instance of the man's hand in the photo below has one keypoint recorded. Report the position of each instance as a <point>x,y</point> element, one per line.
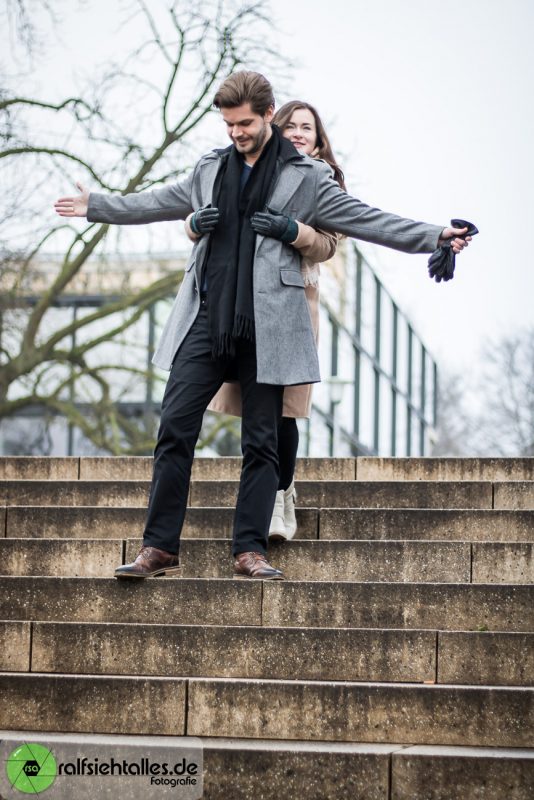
<point>73,206</point>
<point>204,221</point>
<point>276,225</point>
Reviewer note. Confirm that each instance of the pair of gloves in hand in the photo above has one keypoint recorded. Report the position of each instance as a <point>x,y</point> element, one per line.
<point>443,260</point>
<point>269,223</point>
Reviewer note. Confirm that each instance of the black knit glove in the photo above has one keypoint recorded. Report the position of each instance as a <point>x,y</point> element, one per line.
<point>204,220</point>
<point>275,225</point>
<point>442,262</point>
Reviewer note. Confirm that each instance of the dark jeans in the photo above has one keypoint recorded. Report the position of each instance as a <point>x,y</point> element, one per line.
<point>194,379</point>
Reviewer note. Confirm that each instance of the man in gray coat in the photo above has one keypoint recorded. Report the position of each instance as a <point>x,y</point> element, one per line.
<point>241,311</point>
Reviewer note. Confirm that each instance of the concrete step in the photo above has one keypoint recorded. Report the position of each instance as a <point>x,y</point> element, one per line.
<point>139,468</point>
<point>200,601</point>
<point>452,525</point>
<point>132,494</point>
<point>314,710</point>
<point>93,704</point>
<point>322,494</point>
<point>325,654</point>
<point>356,494</point>
<point>461,773</point>
<point>234,652</point>
<point>158,601</point>
<point>71,522</point>
<point>311,494</point>
<point>241,769</point>
<point>410,713</point>
<point>363,468</point>
<point>380,560</point>
<point>469,607</point>
<point>445,469</point>
<point>383,560</point>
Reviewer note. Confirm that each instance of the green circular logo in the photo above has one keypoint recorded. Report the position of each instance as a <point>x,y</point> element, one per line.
<point>31,768</point>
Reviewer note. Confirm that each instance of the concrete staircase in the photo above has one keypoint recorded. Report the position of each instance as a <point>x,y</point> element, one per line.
<point>396,661</point>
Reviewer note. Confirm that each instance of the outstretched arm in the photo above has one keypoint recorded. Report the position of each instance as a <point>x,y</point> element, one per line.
<point>338,211</point>
<point>165,203</point>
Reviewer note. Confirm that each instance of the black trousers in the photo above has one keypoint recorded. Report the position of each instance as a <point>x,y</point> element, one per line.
<point>194,379</point>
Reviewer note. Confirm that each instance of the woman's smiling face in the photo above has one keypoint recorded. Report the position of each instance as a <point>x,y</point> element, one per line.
<point>301,130</point>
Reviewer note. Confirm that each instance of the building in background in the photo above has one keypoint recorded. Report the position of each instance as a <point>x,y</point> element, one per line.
<point>377,396</point>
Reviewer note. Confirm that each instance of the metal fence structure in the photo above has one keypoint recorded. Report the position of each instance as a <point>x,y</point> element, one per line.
<point>379,390</point>
<point>379,387</point>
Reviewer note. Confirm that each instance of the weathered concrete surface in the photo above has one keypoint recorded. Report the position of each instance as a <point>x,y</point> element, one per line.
<point>209,469</point>
<point>234,652</point>
<point>356,494</point>
<point>454,525</point>
<point>514,495</point>
<point>436,562</point>
<point>358,712</point>
<point>92,704</point>
<point>158,600</point>
<point>399,605</point>
<point>503,563</point>
<point>445,469</point>
<point>447,773</point>
<point>50,522</point>
<point>116,468</point>
<point>68,557</point>
<point>37,468</point>
<point>498,659</point>
<point>15,646</point>
<point>242,769</point>
<point>74,493</point>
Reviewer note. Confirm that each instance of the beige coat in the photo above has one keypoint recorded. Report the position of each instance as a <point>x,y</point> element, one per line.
<point>314,248</point>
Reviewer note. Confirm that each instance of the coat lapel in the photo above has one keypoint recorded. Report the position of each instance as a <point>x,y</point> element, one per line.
<point>208,172</point>
<point>287,184</point>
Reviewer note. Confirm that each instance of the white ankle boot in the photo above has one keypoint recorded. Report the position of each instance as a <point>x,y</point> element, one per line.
<point>290,521</point>
<point>283,522</point>
<point>277,528</point>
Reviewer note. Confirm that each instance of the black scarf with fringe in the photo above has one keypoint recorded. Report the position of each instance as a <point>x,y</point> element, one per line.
<point>229,262</point>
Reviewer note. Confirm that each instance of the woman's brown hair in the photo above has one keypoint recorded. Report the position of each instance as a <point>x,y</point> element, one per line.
<point>324,148</point>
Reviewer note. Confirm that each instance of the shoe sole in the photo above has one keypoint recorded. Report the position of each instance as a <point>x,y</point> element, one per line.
<point>278,537</point>
<point>156,574</point>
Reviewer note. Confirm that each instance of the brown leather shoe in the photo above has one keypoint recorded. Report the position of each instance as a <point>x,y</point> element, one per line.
<point>255,565</point>
<point>150,562</point>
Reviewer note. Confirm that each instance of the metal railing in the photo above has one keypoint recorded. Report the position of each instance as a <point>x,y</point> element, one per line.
<point>379,393</point>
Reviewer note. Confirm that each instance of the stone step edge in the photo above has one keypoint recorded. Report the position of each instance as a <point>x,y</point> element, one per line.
<point>382,685</point>
<point>301,542</point>
<point>285,582</point>
<point>275,745</point>
<point>273,628</point>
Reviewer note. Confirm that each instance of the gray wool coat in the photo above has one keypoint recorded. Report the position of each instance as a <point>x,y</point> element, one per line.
<point>304,189</point>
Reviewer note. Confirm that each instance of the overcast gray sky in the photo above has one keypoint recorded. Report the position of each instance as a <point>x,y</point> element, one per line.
<point>430,106</point>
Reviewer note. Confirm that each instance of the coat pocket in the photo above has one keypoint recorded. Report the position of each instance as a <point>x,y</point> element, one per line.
<point>290,277</point>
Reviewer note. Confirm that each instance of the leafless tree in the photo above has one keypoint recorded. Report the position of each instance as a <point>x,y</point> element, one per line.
<point>492,412</point>
<point>455,427</point>
<point>506,420</point>
<point>102,133</point>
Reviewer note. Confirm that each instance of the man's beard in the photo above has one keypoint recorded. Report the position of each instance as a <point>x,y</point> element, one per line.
<point>257,142</point>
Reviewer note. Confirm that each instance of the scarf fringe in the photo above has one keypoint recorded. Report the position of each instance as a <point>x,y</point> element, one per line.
<point>224,345</point>
<point>243,327</point>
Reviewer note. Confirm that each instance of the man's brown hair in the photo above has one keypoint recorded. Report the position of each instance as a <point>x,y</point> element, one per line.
<point>245,87</point>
